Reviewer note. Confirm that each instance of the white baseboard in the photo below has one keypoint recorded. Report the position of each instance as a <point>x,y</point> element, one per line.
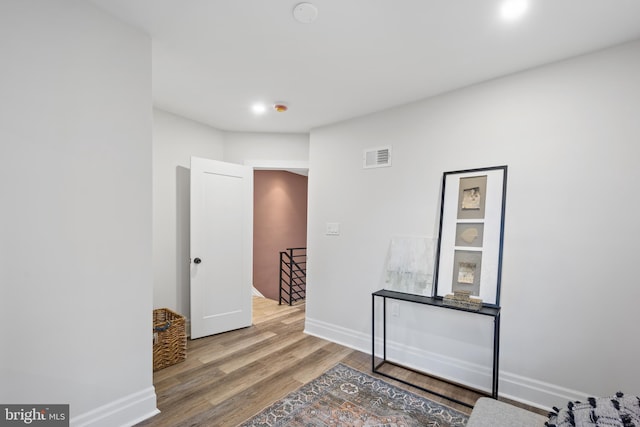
<point>343,336</point>
<point>512,386</point>
<point>126,411</point>
<point>457,370</point>
<point>536,393</point>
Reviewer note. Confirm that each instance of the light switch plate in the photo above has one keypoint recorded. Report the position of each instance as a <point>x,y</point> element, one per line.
<point>332,229</point>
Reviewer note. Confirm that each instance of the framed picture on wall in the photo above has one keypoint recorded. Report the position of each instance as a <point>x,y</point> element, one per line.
<point>471,234</point>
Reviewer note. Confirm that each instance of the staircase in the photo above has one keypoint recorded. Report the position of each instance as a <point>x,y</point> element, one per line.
<point>293,275</point>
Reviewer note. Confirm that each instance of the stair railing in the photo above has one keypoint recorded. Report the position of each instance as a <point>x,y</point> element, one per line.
<point>293,275</point>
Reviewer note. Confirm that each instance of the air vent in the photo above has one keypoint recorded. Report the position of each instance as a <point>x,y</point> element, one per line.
<point>376,157</point>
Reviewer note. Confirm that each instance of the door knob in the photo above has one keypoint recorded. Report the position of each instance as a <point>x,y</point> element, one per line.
<point>197,261</point>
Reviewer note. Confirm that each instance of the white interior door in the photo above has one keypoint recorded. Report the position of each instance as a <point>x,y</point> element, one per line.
<point>221,246</point>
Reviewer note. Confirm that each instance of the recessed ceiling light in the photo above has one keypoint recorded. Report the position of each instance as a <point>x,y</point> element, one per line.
<point>258,108</point>
<point>305,13</point>
<point>513,9</point>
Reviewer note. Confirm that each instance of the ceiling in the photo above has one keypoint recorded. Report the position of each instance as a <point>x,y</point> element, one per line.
<point>212,59</point>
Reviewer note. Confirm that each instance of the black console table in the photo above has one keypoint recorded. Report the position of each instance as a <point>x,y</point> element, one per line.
<point>435,302</point>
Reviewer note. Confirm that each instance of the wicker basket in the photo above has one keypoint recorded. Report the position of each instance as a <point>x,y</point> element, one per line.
<point>169,338</point>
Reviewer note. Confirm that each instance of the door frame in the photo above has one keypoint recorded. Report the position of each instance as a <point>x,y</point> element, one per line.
<point>295,166</point>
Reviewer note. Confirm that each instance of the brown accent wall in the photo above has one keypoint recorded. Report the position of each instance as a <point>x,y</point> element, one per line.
<point>279,222</point>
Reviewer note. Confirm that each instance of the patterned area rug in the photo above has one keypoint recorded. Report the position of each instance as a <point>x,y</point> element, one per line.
<point>344,397</point>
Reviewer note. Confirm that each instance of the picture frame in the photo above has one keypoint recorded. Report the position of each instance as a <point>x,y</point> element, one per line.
<point>471,233</point>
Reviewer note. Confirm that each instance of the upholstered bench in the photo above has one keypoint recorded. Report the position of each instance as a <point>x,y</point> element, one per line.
<point>618,410</point>
<point>489,412</point>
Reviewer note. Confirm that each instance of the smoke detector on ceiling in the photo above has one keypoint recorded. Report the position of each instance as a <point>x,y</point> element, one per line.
<point>305,13</point>
<point>280,107</point>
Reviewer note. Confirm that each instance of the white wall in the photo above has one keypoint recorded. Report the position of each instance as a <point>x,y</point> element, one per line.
<point>569,133</point>
<point>241,147</point>
<point>175,140</point>
<point>75,245</point>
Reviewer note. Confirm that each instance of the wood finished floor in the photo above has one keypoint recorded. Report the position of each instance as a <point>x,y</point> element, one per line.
<point>228,378</point>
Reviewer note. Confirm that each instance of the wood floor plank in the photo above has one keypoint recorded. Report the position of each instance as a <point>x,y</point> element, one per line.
<point>294,318</point>
<point>249,402</point>
<point>191,388</point>
<point>274,345</point>
<point>308,346</point>
<point>165,384</point>
<point>321,361</point>
<point>238,382</point>
<point>225,351</point>
<point>174,370</point>
<point>276,313</point>
<point>278,363</point>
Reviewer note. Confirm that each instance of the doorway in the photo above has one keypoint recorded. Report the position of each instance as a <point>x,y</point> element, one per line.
<point>279,224</point>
